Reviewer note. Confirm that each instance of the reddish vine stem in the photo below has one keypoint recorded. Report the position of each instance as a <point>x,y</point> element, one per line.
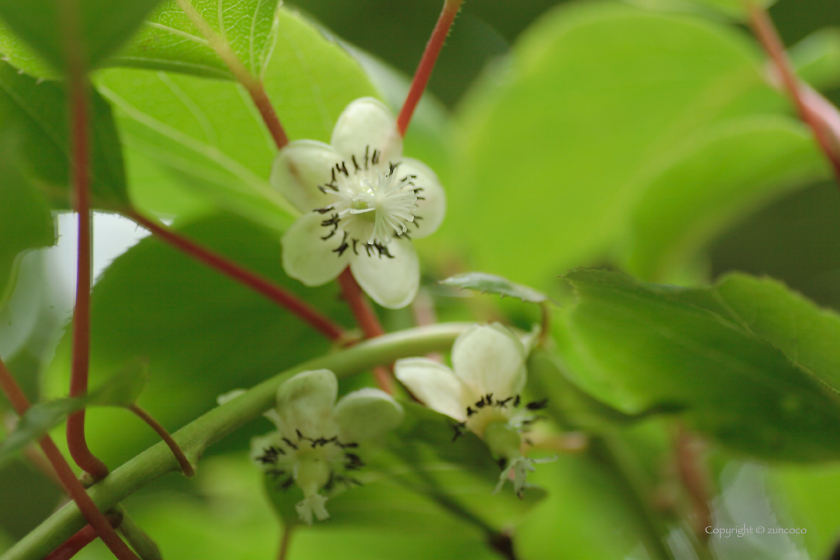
<point>695,479</point>
<point>367,320</point>
<point>769,38</point>
<point>252,84</point>
<point>65,474</point>
<point>427,63</point>
<point>186,466</point>
<point>81,539</point>
<point>76,441</point>
<point>250,279</point>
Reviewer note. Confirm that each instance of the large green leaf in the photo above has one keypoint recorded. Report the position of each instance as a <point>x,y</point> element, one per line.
<point>208,133</point>
<point>808,336</point>
<point>39,111</point>
<point>636,345</point>
<point>169,41</point>
<point>598,97</point>
<point>103,26</point>
<point>726,173</point>
<point>25,222</point>
<point>201,333</point>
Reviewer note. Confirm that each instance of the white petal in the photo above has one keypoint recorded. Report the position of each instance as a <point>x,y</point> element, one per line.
<point>367,124</point>
<point>366,414</point>
<point>307,257</point>
<point>490,359</point>
<point>305,402</point>
<point>435,385</point>
<point>312,505</point>
<point>432,208</point>
<point>299,168</point>
<point>392,282</point>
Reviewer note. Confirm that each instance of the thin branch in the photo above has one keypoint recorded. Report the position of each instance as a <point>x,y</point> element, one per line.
<point>285,541</point>
<point>65,474</point>
<point>368,321</point>
<point>695,479</point>
<point>253,85</point>
<point>767,35</point>
<point>84,537</point>
<point>198,435</point>
<point>250,279</point>
<point>427,63</point>
<point>186,466</point>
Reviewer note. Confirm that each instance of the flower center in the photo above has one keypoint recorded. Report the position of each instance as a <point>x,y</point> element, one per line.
<point>371,204</point>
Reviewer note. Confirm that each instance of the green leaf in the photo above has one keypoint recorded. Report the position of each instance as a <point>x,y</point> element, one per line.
<point>104,26</point>
<point>492,284</point>
<point>730,8</point>
<point>817,58</point>
<point>201,333</point>
<point>122,389</point>
<point>208,134</point>
<point>597,98</point>
<point>39,111</point>
<point>723,175</point>
<point>169,41</point>
<point>25,222</point>
<point>808,336</point>
<point>636,346</point>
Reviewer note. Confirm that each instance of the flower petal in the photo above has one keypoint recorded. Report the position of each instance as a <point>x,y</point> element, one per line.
<point>299,168</point>
<point>307,257</point>
<point>305,402</point>
<point>432,208</point>
<point>490,359</point>
<point>367,123</point>
<point>389,282</point>
<point>366,414</point>
<point>435,385</point>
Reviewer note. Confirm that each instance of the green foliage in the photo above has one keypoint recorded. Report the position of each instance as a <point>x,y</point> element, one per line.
<point>37,112</point>
<point>599,99</point>
<point>122,389</point>
<point>491,284</point>
<point>712,8</point>
<point>103,25</point>
<point>169,41</point>
<point>25,221</point>
<point>208,135</point>
<point>729,171</point>
<point>638,345</point>
<point>201,333</point>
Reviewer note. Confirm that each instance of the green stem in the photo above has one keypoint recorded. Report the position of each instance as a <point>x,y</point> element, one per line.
<point>195,437</point>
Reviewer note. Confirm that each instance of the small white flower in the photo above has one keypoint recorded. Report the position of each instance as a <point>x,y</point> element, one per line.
<point>316,441</point>
<point>481,391</point>
<point>362,203</point>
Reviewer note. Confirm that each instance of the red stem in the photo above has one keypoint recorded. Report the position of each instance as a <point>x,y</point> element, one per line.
<point>81,539</point>
<point>367,320</point>
<point>76,442</point>
<point>65,474</point>
<point>767,35</point>
<point>263,104</point>
<point>427,63</point>
<point>252,280</point>
<point>185,464</point>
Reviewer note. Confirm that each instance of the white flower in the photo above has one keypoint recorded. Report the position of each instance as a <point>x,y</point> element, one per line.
<point>316,441</point>
<point>362,203</point>
<point>481,392</point>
